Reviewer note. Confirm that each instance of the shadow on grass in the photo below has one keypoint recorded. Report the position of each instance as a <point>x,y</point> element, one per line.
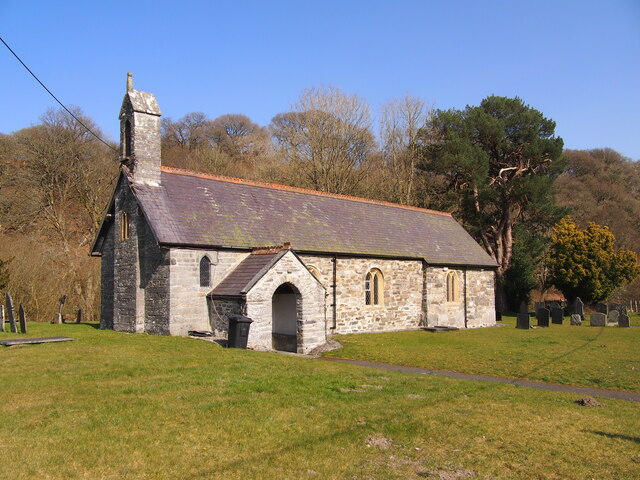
<point>94,325</point>
<point>551,361</point>
<point>614,435</point>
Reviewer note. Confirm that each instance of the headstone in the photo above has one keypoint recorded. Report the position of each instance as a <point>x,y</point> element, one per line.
<point>602,308</point>
<point>79,316</point>
<point>59,318</point>
<point>557,315</point>
<point>11,314</point>
<point>598,319</point>
<point>576,319</point>
<point>542,315</point>
<point>623,321</point>
<point>23,320</point>
<point>523,320</point>
<point>619,307</point>
<point>578,308</point>
<point>523,308</point>
<point>613,316</point>
<point>1,318</point>
<point>498,316</point>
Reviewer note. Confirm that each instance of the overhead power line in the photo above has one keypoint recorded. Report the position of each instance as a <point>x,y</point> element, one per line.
<point>54,97</point>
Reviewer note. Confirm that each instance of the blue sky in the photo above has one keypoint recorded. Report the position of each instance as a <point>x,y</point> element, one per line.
<point>576,61</point>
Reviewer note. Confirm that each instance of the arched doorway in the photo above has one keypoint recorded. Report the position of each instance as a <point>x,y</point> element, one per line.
<point>285,310</point>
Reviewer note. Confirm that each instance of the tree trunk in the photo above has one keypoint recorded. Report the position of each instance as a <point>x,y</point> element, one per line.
<point>501,297</point>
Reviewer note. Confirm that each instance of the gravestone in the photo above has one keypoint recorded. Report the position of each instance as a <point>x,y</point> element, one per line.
<point>79,316</point>
<point>623,321</point>
<point>619,307</point>
<point>522,320</point>
<point>578,308</point>
<point>557,315</point>
<point>523,308</point>
<point>598,320</point>
<point>602,308</point>
<point>542,315</point>
<point>613,316</point>
<point>1,318</point>
<point>23,320</point>
<point>576,320</point>
<point>11,314</point>
<point>58,318</point>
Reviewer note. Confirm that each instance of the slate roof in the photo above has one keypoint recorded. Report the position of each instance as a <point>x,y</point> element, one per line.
<point>207,211</point>
<point>246,274</point>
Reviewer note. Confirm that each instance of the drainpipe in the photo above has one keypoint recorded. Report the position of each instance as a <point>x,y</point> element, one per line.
<point>334,287</point>
<point>464,276</point>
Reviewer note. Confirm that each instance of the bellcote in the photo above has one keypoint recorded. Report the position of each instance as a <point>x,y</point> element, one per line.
<point>140,135</point>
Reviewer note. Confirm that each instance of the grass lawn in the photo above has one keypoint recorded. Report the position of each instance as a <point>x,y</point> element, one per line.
<point>604,357</point>
<point>120,406</point>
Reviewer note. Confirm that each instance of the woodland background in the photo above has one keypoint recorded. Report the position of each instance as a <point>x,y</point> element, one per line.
<point>56,179</point>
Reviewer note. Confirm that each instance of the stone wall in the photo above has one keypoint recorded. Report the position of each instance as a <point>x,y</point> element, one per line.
<point>146,147</point>
<point>475,288</point>
<point>311,318</point>
<point>139,302</point>
<point>189,308</point>
<point>154,280</point>
<point>144,160</point>
<point>401,308</point>
<point>106,280</point>
<point>219,312</point>
<point>128,302</point>
<point>481,308</point>
<point>439,311</point>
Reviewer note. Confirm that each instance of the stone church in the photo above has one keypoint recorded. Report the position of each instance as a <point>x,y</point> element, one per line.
<point>183,251</point>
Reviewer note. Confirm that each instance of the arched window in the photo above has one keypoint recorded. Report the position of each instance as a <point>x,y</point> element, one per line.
<point>314,271</point>
<point>128,141</point>
<point>374,288</point>
<point>453,287</point>
<point>124,225</point>
<point>205,272</point>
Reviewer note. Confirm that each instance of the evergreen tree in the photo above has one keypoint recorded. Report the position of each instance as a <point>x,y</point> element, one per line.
<point>494,168</point>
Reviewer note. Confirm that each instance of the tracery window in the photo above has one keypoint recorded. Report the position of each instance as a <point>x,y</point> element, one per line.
<point>205,272</point>
<point>374,288</point>
<point>453,287</point>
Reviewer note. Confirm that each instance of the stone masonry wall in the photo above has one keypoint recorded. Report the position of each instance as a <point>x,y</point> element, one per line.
<point>189,308</point>
<point>219,313</point>
<point>106,280</point>
<point>144,161</point>
<point>146,147</point>
<point>140,301</point>
<point>402,293</point>
<point>480,308</point>
<point>154,280</point>
<point>324,265</point>
<point>128,301</point>
<point>311,320</point>
<point>439,311</point>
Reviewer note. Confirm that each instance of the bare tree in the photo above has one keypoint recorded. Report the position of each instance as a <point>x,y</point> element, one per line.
<point>190,131</point>
<point>326,138</point>
<point>64,166</point>
<point>400,122</point>
<point>240,138</point>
